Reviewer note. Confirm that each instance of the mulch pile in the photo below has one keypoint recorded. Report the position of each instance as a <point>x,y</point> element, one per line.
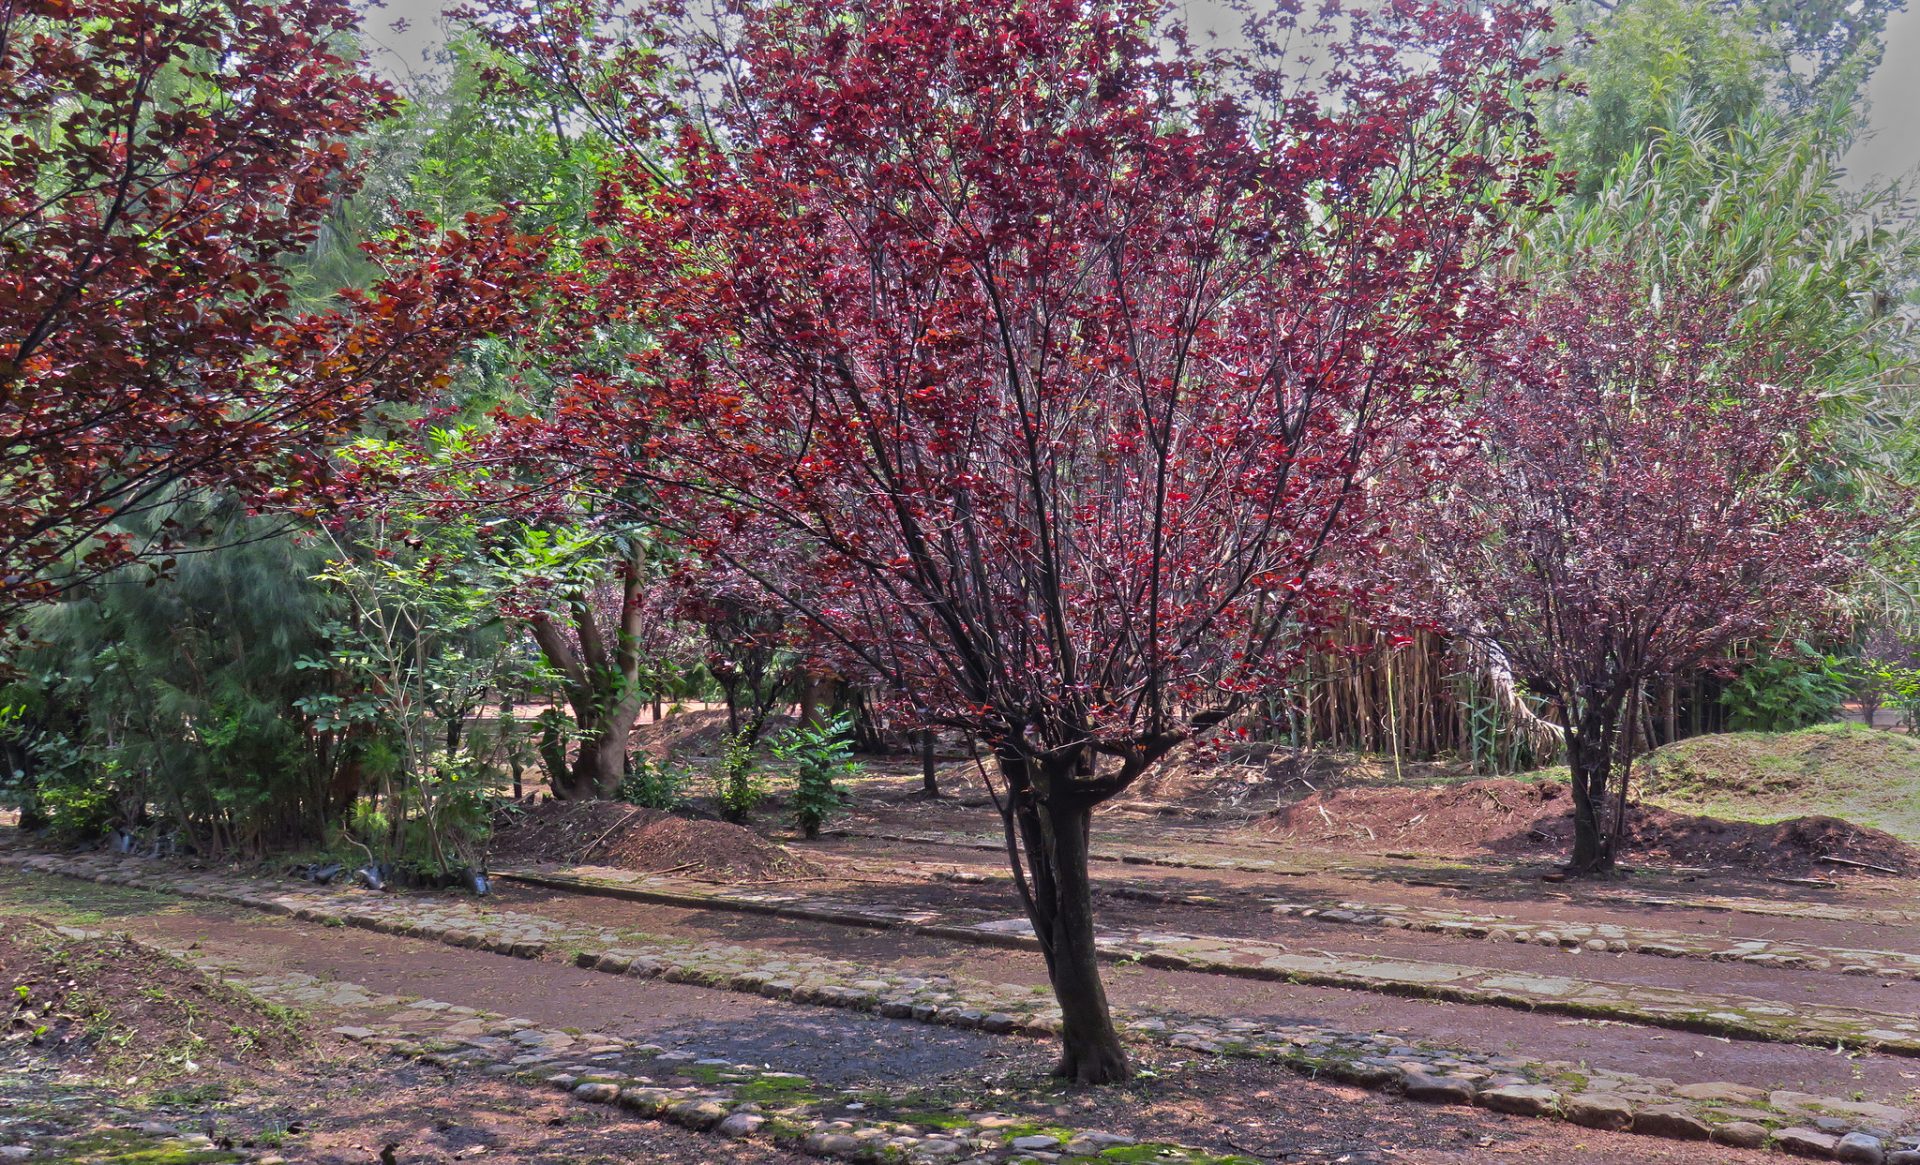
<point>1215,774</point>
<point>695,732</point>
<point>613,833</point>
<point>1535,819</point>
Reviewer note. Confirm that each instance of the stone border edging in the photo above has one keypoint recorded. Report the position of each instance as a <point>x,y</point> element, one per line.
<point>1132,855</point>
<point>1734,1017</point>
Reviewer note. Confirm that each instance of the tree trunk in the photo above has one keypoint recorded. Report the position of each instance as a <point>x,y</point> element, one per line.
<point>553,758</point>
<point>1054,830</point>
<point>510,747</point>
<point>600,764</point>
<point>929,778</point>
<point>809,711</point>
<point>1589,757</point>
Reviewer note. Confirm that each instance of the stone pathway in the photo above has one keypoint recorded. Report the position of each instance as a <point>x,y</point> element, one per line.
<point>742,1102</point>
<point>1572,934</point>
<point>1736,1016</point>
<point>1568,933</point>
<point>1729,1113</point>
<point>1159,854</point>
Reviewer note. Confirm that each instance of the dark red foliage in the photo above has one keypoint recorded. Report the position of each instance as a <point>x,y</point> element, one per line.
<point>165,161</point>
<point>1068,358</point>
<point>1640,500</point>
<point>1062,377</point>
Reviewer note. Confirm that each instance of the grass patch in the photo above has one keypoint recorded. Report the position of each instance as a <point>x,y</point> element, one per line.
<point>120,1147</point>
<point>78,903</point>
<point>1864,775</point>
<point>777,1091</point>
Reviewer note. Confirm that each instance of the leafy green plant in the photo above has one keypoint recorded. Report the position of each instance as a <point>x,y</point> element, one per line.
<point>652,784</point>
<point>419,647</point>
<point>1892,682</point>
<point>819,753</point>
<point>741,785</point>
<point>1785,691</point>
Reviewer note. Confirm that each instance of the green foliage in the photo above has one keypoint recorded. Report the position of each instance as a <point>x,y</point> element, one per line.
<point>652,784</point>
<point>1894,682</point>
<point>739,784</point>
<point>458,145</point>
<point>1648,59</point>
<point>1786,691</point>
<point>174,702</point>
<point>820,754</point>
<point>1759,208</point>
<point>419,646</point>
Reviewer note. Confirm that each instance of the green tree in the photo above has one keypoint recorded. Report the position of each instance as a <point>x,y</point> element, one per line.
<point>1646,60</point>
<point>181,697</point>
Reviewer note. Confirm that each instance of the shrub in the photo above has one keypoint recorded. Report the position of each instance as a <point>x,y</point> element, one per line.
<point>1789,690</point>
<point>819,753</point>
<point>741,786</point>
<point>651,784</point>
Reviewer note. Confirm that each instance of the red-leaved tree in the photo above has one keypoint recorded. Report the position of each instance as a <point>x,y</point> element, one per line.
<point>1039,363</point>
<point>1638,502</point>
<point>165,160</point>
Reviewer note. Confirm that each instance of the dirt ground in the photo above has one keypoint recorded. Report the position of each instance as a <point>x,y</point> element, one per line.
<point>107,1006</point>
<point>345,1107</point>
<point>1338,834</point>
<point>1535,819</point>
<point>695,733</point>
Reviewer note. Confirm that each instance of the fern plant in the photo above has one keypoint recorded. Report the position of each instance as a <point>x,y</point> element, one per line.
<point>819,753</point>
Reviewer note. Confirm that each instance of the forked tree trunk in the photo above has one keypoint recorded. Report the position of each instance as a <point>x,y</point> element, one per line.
<point>1590,759</point>
<point>602,761</point>
<point>1054,830</point>
<point>600,676</point>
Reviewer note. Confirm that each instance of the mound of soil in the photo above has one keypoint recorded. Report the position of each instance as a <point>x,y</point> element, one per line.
<point>1214,775</point>
<point>1535,819</point>
<point>109,1003</point>
<point>613,833</point>
<point>1771,765</point>
<point>696,732</point>
<point>1849,771</point>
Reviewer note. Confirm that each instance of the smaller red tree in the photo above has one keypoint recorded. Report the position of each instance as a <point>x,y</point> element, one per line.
<point>1639,502</point>
<point>164,163</point>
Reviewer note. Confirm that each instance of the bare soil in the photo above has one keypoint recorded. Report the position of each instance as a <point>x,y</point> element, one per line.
<point>686,735</point>
<point>1535,818</point>
<point>1215,776</point>
<point>108,1004</point>
<point>613,833</point>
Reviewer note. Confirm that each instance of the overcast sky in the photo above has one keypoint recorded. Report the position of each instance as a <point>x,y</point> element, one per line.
<point>1892,148</point>
<point>1894,145</point>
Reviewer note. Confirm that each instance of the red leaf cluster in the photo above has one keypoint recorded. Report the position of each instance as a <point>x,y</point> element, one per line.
<point>163,164</point>
<point>1057,375</point>
<point>1642,496</point>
